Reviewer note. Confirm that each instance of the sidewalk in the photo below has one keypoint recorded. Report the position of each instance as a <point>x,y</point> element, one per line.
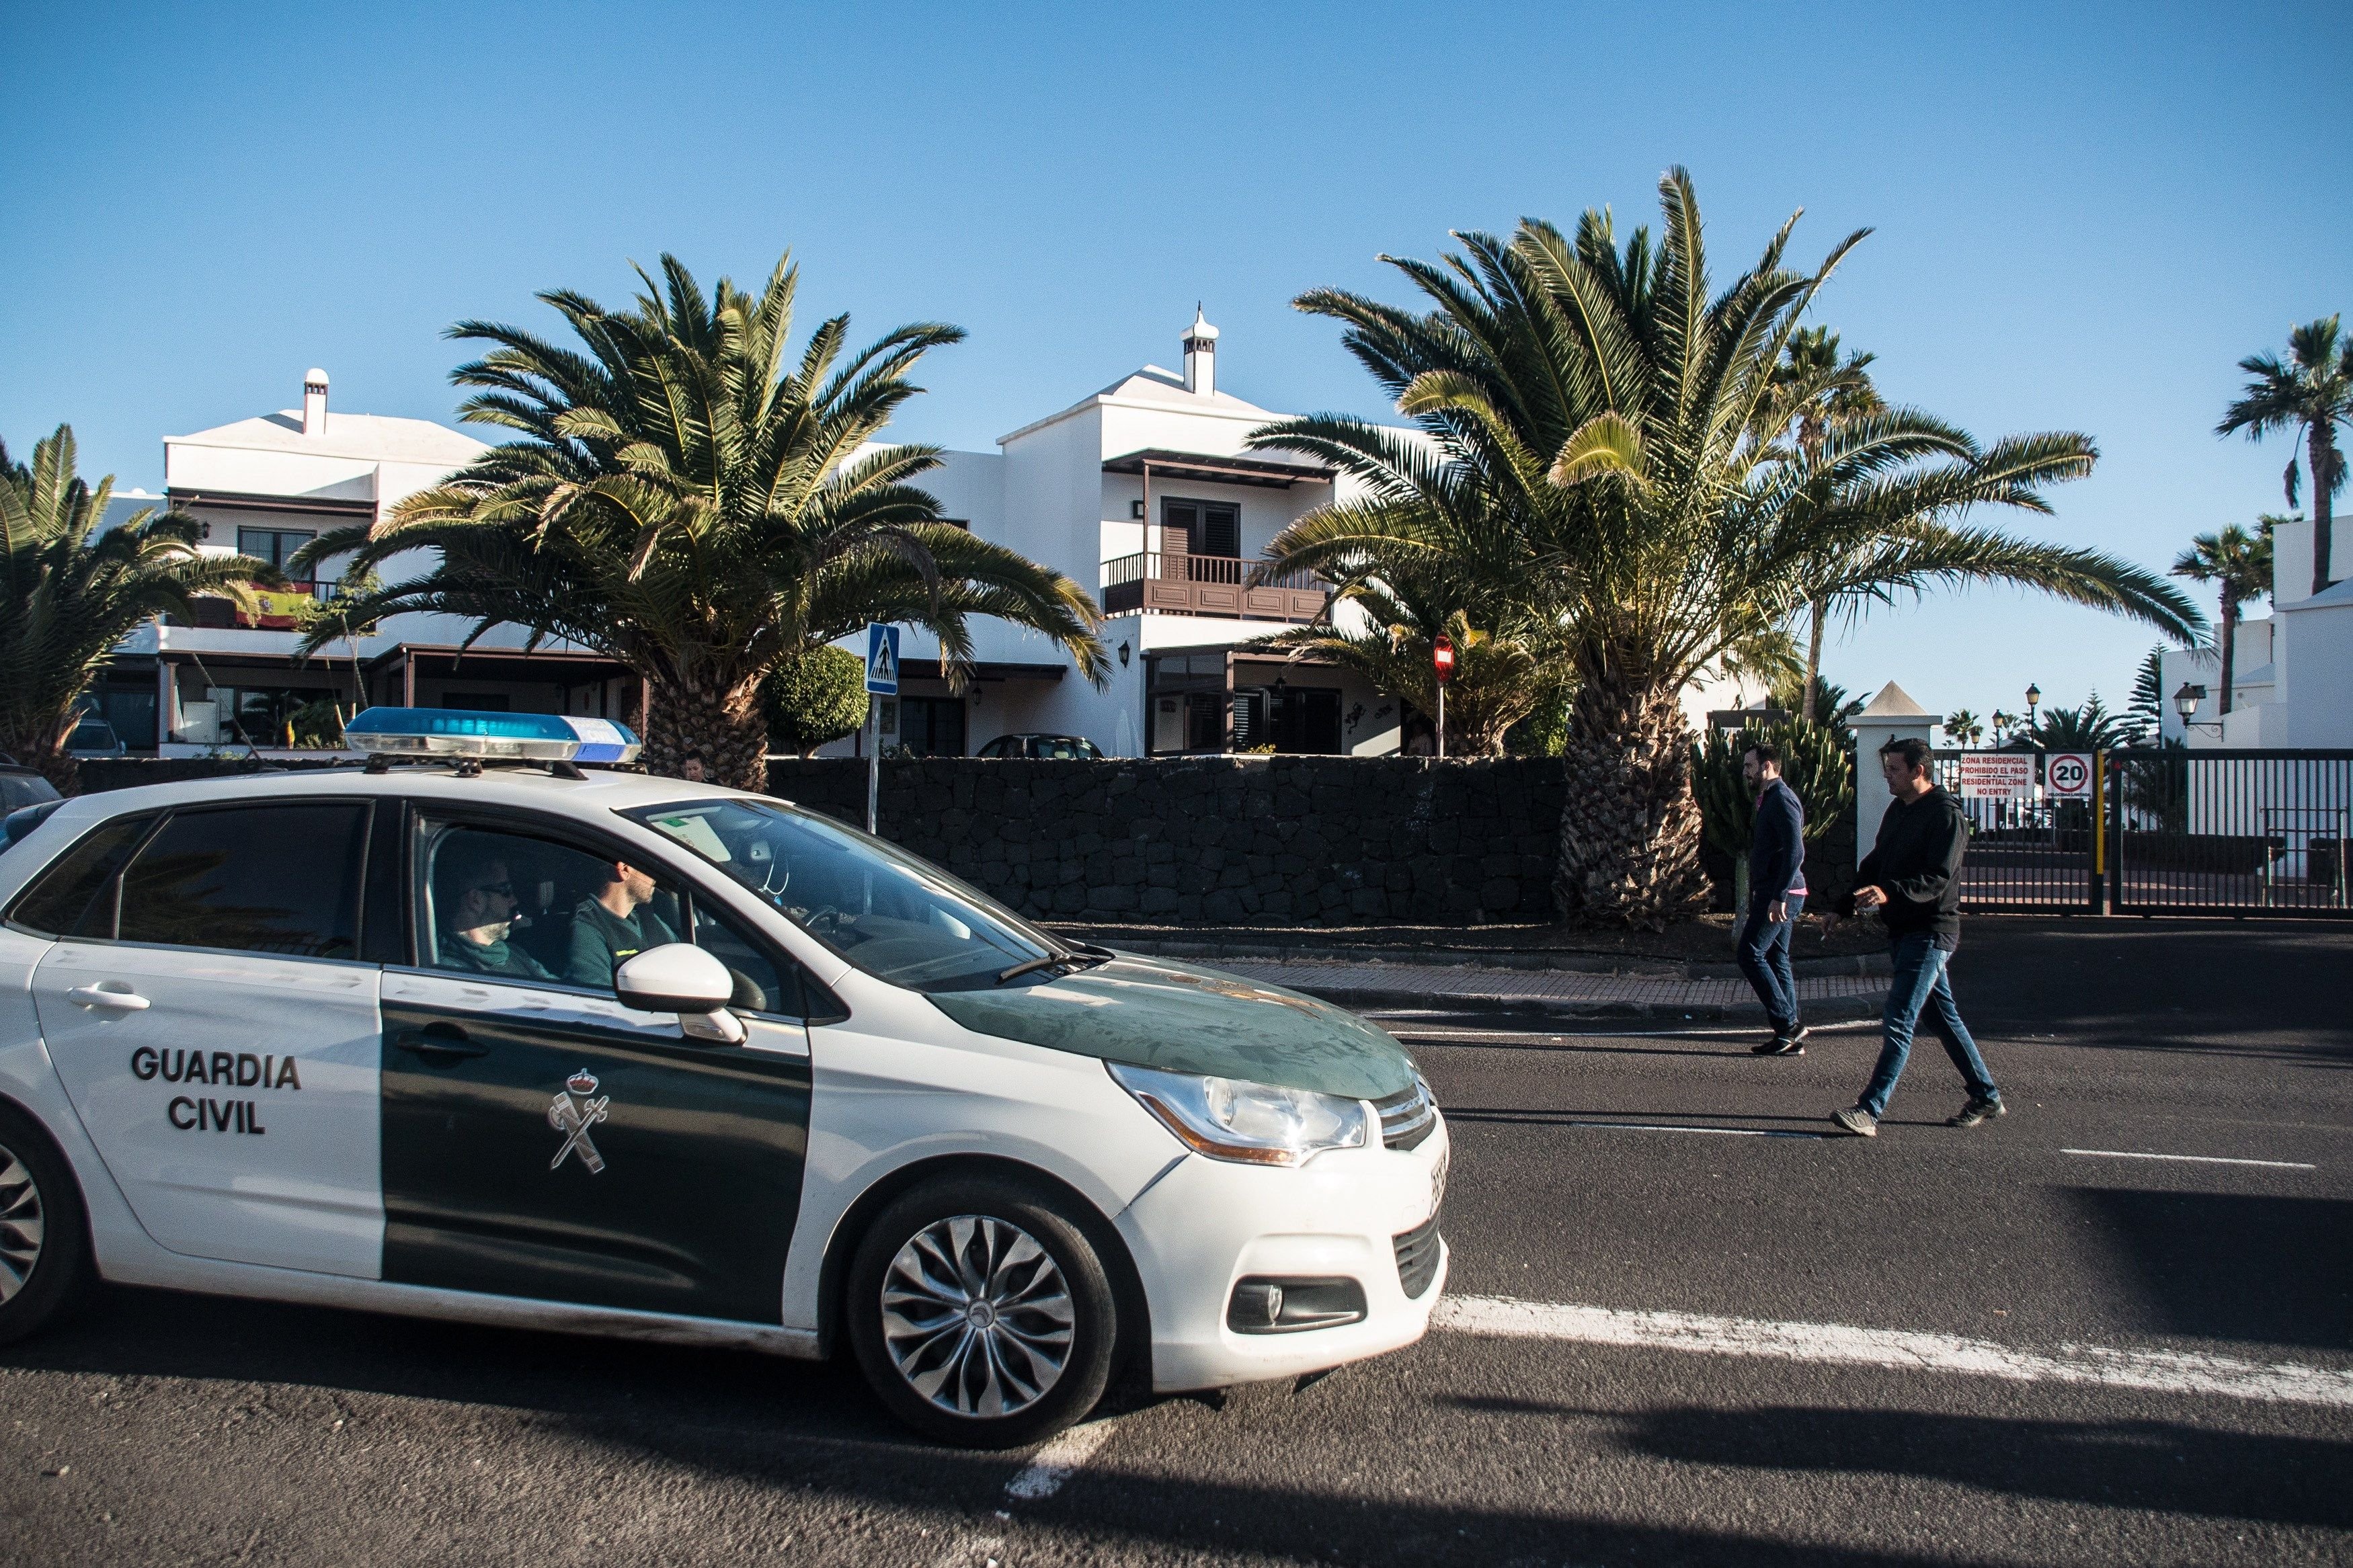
<point>1567,993</point>
<point>1413,970</point>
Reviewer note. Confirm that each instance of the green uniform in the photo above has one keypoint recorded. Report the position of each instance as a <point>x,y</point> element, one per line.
<point>500,957</point>
<point>601,940</point>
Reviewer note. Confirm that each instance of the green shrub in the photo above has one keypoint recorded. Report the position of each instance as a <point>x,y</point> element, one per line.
<point>1817,762</point>
<point>815,697</point>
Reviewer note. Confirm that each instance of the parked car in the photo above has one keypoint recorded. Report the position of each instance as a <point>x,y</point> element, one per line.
<point>94,737</point>
<point>22,786</point>
<point>1055,748</point>
<point>607,1053</point>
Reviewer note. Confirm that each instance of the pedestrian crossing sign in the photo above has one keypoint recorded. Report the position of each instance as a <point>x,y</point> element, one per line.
<point>882,659</point>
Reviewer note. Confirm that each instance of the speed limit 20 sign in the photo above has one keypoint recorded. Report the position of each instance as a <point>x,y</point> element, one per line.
<point>2068,774</point>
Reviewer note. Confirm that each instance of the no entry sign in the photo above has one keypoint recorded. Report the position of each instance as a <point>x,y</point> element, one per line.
<point>1996,775</point>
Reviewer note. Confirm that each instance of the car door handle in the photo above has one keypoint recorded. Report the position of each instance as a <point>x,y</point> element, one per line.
<point>445,1041</point>
<point>112,1001</point>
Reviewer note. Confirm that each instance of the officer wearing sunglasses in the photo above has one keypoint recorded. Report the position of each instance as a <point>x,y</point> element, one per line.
<point>476,920</point>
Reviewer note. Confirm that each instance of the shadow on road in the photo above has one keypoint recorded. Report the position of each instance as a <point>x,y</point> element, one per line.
<point>2162,1466</point>
<point>2232,1266</point>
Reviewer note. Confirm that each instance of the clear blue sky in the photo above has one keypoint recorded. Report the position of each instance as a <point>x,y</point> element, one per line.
<point>2084,214</point>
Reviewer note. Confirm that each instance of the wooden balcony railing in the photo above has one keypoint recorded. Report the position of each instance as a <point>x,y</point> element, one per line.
<point>1179,584</point>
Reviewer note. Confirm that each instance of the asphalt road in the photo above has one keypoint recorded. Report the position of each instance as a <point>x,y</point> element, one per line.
<point>164,1429</point>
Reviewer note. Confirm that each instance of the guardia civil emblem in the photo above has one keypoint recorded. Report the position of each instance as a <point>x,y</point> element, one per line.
<point>571,1113</point>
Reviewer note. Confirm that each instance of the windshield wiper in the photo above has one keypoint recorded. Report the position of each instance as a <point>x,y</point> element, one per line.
<point>1081,957</point>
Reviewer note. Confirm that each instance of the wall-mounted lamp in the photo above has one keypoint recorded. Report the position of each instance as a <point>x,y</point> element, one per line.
<point>1124,654</point>
<point>2186,702</point>
<point>1135,510</point>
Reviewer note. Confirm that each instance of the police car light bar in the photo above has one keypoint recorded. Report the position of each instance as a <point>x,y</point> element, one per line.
<point>502,737</point>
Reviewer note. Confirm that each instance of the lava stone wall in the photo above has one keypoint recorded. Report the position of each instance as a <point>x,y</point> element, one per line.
<point>1283,841</point>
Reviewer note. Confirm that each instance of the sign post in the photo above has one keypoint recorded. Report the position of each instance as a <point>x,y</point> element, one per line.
<point>1441,655</point>
<point>881,680</point>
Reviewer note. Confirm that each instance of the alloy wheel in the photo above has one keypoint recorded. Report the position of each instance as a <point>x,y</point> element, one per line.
<point>21,1225</point>
<point>976,1316</point>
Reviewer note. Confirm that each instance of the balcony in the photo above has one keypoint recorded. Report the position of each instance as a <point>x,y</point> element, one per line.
<point>274,609</point>
<point>1174,583</point>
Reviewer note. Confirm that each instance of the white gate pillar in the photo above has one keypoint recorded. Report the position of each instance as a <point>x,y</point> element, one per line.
<point>1892,716</point>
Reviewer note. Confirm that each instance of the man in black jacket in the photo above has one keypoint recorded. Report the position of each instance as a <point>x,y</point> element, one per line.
<point>1913,876</point>
<point>1777,896</point>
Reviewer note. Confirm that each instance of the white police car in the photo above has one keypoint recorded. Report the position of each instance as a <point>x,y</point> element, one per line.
<point>596,1052</point>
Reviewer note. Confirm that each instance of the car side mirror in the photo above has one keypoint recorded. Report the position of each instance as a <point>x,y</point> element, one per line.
<point>680,977</point>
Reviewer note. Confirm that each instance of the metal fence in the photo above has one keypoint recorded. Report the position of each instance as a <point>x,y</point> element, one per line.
<point>2163,831</point>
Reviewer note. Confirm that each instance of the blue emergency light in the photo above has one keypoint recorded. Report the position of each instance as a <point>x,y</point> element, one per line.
<point>514,737</point>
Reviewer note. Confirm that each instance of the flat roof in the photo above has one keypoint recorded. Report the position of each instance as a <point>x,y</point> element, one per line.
<point>1216,469</point>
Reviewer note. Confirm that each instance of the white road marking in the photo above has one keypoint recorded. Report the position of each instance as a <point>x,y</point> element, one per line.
<point>1055,1463</point>
<point>1719,1132</point>
<point>2189,1158</point>
<point>2163,1372</point>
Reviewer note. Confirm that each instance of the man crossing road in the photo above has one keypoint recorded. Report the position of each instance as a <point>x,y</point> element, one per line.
<point>1777,896</point>
<point>1913,876</point>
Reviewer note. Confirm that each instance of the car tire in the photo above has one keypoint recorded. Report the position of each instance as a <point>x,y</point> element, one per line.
<point>981,1314</point>
<point>44,1238</point>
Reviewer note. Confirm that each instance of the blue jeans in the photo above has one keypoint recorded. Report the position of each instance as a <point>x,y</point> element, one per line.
<point>1765,958</point>
<point>1920,985</point>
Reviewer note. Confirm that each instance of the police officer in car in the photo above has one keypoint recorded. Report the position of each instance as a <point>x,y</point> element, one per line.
<point>612,926</point>
<point>478,914</point>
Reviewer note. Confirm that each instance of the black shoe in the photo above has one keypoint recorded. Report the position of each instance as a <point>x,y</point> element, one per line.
<point>1792,1043</point>
<point>1975,1111</point>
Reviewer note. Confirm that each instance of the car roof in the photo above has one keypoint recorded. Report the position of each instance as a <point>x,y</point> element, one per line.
<point>594,794</point>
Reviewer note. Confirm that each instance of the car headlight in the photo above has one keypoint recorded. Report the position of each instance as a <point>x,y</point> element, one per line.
<point>1252,1123</point>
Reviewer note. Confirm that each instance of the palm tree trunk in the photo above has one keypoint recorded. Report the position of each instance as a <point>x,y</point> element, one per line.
<point>2323,464</point>
<point>1814,659</point>
<point>1629,833</point>
<point>2229,642</point>
<point>695,712</point>
<point>40,742</point>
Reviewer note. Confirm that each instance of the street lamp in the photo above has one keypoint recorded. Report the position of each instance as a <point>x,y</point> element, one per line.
<point>2186,702</point>
<point>1441,657</point>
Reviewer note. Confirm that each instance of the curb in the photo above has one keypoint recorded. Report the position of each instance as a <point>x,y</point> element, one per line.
<point>1862,964</point>
<point>1836,1010</point>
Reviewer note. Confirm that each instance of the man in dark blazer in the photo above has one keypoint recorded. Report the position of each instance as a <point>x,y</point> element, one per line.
<point>1777,896</point>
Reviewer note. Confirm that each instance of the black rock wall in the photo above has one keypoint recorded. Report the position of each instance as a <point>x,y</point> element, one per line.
<point>1278,841</point>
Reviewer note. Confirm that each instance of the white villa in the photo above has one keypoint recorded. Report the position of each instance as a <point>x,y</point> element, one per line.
<point>2292,676</point>
<point>1145,494</point>
<point>266,487</point>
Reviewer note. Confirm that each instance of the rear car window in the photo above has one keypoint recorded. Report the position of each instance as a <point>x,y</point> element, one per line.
<point>75,897</point>
<point>275,879</point>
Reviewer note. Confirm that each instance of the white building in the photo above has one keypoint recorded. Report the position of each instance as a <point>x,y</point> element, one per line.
<point>2292,676</point>
<point>1144,493</point>
<point>265,486</point>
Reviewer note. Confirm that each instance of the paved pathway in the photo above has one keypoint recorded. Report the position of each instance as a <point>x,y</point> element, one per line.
<point>1561,989</point>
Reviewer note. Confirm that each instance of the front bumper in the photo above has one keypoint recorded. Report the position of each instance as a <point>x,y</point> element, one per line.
<point>1208,1223</point>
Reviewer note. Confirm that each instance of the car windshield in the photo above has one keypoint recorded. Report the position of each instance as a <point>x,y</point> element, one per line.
<point>890,914</point>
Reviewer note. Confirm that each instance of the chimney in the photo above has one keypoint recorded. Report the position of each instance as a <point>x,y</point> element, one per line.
<point>1200,356</point>
<point>314,403</point>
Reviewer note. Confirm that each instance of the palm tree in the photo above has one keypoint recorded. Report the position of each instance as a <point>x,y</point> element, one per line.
<point>2090,728</point>
<point>2313,394</point>
<point>67,599</point>
<point>1965,726</point>
<point>2239,564</point>
<point>1592,448</point>
<point>1814,390</point>
<point>691,500</point>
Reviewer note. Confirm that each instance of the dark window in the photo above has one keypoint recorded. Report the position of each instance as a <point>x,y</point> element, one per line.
<point>274,878</point>
<point>23,789</point>
<point>764,983</point>
<point>529,909</point>
<point>76,898</point>
<point>1209,527</point>
<point>1306,721</point>
<point>1204,721</point>
<point>932,726</point>
<point>275,545</point>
